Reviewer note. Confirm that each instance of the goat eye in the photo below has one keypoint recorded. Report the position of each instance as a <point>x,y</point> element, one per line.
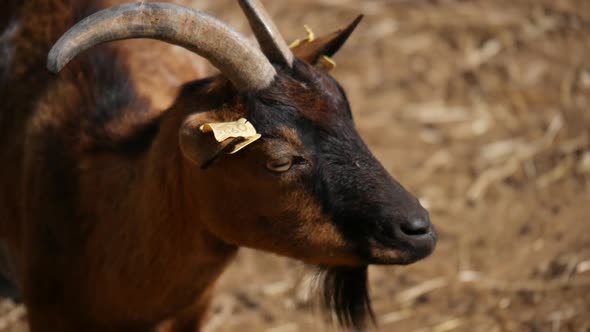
<point>280,165</point>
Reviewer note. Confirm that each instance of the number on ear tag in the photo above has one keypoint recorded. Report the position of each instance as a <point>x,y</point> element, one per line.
<point>224,130</point>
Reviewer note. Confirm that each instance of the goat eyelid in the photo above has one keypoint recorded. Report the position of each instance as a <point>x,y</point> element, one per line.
<point>280,165</point>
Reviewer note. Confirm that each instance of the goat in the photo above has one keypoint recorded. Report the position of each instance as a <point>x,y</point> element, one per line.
<point>119,208</point>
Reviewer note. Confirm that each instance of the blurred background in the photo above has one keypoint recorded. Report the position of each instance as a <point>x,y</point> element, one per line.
<point>482,109</point>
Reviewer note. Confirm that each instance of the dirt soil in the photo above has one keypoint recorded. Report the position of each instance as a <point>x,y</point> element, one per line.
<point>482,109</point>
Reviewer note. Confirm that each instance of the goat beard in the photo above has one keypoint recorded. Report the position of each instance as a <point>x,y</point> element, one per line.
<point>345,297</point>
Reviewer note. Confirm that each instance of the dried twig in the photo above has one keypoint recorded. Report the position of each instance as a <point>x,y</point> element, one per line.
<point>478,188</point>
<point>479,281</point>
<point>395,316</point>
<point>411,294</point>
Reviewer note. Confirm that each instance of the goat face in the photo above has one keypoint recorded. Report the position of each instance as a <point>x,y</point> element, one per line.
<point>309,188</point>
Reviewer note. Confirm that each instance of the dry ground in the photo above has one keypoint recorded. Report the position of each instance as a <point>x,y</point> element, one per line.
<point>481,108</point>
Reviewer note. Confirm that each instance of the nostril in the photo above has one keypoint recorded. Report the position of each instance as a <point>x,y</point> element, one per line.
<point>416,226</point>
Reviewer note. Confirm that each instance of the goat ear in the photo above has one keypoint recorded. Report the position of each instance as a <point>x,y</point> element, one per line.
<point>312,51</point>
<point>195,145</point>
<point>203,139</point>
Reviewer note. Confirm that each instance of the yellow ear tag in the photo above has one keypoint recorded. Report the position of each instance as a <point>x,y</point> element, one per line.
<point>310,37</point>
<point>326,63</point>
<point>224,130</point>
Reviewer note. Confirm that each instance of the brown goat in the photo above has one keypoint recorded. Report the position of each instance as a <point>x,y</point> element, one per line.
<point>118,212</point>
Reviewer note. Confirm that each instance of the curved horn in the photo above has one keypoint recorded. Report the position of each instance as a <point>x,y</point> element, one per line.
<point>270,39</point>
<point>243,64</point>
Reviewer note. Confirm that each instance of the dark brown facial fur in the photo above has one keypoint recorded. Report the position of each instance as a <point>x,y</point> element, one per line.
<point>368,207</point>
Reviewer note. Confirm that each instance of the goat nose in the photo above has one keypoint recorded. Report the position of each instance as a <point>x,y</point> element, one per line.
<point>416,226</point>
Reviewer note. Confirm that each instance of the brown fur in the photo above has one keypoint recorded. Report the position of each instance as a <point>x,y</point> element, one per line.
<point>43,254</point>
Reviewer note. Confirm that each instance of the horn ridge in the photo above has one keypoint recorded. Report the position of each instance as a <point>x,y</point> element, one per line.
<point>242,63</point>
<point>269,38</point>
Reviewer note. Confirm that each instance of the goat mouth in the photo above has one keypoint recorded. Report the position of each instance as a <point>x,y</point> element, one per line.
<point>384,251</point>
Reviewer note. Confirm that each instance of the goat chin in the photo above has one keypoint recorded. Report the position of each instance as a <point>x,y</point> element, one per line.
<point>345,297</point>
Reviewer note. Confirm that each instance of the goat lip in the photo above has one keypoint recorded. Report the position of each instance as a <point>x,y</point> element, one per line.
<point>394,252</point>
